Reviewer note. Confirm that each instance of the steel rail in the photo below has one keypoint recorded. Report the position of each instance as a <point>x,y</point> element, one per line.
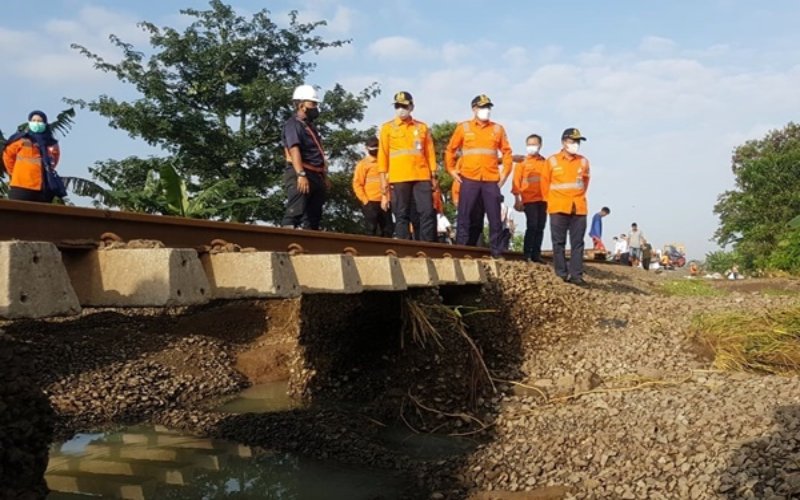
<point>80,228</point>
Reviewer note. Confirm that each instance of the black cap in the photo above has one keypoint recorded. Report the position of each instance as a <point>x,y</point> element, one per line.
<point>372,142</point>
<point>572,133</point>
<point>482,101</point>
<point>403,98</point>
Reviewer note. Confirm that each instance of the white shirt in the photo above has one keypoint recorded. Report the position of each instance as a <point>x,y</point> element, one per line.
<point>621,247</point>
<point>442,223</point>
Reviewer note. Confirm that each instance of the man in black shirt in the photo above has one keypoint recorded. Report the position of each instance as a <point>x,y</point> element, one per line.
<point>304,178</point>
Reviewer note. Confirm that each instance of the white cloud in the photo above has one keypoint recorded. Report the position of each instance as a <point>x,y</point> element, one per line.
<point>657,45</point>
<point>398,47</point>
<point>342,21</point>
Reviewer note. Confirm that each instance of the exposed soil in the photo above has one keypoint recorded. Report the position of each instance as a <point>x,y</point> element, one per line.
<point>599,392</point>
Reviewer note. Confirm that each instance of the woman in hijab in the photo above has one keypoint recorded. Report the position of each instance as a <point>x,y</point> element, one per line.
<point>25,157</point>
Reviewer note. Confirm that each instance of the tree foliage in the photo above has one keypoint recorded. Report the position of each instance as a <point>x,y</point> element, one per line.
<point>755,215</point>
<point>441,133</point>
<point>214,98</point>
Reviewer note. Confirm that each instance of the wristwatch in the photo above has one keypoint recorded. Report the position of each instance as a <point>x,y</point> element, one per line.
<point>301,173</point>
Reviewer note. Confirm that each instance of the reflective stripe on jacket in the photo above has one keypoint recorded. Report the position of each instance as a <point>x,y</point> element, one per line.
<point>564,184</point>
<point>405,151</point>
<point>23,162</point>
<point>528,177</point>
<point>367,180</point>
<point>479,144</point>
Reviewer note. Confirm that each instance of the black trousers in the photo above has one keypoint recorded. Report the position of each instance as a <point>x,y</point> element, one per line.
<point>378,222</point>
<point>562,225</point>
<point>303,209</point>
<point>422,194</point>
<point>535,220</point>
<point>22,194</point>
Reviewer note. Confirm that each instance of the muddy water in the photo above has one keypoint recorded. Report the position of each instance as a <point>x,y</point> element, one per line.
<point>145,462</point>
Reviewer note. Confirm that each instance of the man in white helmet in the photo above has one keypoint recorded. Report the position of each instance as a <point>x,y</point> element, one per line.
<point>307,167</point>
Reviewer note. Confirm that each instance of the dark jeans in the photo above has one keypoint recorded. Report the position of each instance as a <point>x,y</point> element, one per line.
<point>378,222</point>
<point>22,194</point>
<point>488,193</point>
<point>535,220</point>
<point>416,196</point>
<point>575,226</point>
<point>303,210</point>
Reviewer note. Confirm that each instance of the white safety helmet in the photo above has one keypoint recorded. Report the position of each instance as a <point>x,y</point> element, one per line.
<point>305,93</point>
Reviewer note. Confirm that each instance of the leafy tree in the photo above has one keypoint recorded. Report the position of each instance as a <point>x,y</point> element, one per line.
<point>755,215</point>
<point>721,261</point>
<point>441,133</point>
<point>214,98</point>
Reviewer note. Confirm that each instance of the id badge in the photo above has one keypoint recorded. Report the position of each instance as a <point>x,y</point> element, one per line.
<point>418,145</point>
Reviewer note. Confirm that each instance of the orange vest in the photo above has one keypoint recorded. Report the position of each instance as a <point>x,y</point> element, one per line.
<point>527,180</point>
<point>479,144</point>
<point>367,180</point>
<point>23,163</point>
<point>564,184</point>
<point>405,151</point>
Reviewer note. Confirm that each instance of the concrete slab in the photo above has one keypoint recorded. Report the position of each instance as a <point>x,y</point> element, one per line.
<point>474,271</point>
<point>492,267</point>
<point>419,272</point>
<point>381,273</point>
<point>449,271</point>
<point>34,282</point>
<point>327,274</point>
<point>152,277</point>
<point>244,275</point>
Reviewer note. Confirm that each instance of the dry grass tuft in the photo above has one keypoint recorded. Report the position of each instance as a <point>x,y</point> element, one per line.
<point>764,342</point>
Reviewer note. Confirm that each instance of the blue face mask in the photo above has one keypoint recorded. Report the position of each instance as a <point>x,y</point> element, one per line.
<point>37,127</point>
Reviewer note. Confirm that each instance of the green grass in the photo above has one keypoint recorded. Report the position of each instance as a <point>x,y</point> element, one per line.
<point>764,342</point>
<point>778,292</point>
<point>691,288</point>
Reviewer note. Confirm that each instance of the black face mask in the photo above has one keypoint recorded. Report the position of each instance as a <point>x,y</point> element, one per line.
<point>373,152</point>
<point>312,114</point>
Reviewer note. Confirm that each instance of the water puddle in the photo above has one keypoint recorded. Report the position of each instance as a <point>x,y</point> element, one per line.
<point>263,398</point>
<point>154,462</point>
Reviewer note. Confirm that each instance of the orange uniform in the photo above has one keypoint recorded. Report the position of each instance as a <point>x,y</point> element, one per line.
<point>528,177</point>
<point>479,143</point>
<point>405,151</point>
<point>455,189</point>
<point>23,162</point>
<point>564,184</point>
<point>367,180</point>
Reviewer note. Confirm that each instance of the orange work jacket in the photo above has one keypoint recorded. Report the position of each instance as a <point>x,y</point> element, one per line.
<point>564,184</point>
<point>23,163</point>
<point>405,151</point>
<point>479,143</point>
<point>367,180</point>
<point>527,180</point>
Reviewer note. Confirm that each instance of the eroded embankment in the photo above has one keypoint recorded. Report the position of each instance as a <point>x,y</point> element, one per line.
<point>368,361</point>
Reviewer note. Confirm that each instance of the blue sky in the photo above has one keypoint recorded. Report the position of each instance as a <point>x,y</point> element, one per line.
<point>663,90</point>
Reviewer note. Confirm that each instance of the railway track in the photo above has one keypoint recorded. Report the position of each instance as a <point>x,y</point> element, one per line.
<point>75,228</point>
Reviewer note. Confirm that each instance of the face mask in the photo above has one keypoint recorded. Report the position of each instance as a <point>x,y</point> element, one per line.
<point>37,127</point>
<point>312,114</point>
<point>373,152</point>
<point>573,148</point>
<point>483,114</point>
<point>532,150</point>
<point>403,113</point>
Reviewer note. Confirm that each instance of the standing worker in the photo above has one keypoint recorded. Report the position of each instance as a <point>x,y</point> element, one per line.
<point>564,185</point>
<point>407,163</point>
<point>26,156</point>
<point>635,242</point>
<point>596,230</point>
<point>305,175</point>
<point>480,142</point>
<point>527,190</point>
<point>367,186</point>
